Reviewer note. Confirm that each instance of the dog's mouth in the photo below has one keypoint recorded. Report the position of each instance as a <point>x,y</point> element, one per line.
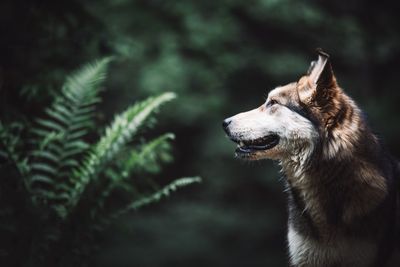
<point>250,146</point>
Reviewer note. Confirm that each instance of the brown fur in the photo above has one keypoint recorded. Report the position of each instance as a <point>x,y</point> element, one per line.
<point>346,185</point>
<point>342,201</point>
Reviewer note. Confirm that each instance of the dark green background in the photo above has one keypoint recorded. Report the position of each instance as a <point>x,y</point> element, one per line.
<point>220,57</point>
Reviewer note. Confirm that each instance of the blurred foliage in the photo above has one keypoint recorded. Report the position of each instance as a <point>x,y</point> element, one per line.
<point>64,184</point>
<point>221,57</point>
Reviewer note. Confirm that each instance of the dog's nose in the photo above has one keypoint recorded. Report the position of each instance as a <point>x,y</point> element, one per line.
<point>225,124</point>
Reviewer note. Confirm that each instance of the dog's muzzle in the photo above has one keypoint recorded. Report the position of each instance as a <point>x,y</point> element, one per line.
<point>248,146</point>
<point>225,125</point>
<point>263,143</point>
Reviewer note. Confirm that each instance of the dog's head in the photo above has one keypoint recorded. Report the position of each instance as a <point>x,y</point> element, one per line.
<point>293,119</point>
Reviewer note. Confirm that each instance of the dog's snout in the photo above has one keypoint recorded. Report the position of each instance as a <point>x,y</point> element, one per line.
<point>225,125</point>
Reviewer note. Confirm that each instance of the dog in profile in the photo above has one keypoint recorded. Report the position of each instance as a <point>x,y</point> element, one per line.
<point>342,185</point>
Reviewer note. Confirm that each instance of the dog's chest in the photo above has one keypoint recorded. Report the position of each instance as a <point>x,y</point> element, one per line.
<point>339,251</point>
<point>307,198</point>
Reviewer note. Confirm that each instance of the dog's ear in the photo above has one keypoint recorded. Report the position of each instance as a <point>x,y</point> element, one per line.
<point>310,69</point>
<point>320,72</point>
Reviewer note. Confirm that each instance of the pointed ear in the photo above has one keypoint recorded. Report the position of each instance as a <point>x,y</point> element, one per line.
<point>312,65</point>
<point>320,72</point>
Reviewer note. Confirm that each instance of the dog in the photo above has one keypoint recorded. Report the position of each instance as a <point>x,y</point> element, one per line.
<point>343,201</point>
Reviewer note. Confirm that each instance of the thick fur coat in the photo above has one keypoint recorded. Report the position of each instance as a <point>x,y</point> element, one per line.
<point>342,184</point>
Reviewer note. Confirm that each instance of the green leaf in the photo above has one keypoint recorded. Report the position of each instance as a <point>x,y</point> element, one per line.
<point>116,137</point>
<point>51,125</point>
<point>58,138</point>
<point>149,157</point>
<point>41,178</point>
<point>44,167</point>
<point>156,196</point>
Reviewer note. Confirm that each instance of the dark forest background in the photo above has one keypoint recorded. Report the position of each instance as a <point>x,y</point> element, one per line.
<point>220,57</point>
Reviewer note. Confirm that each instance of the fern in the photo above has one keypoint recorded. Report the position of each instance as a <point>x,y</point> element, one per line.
<point>9,147</point>
<point>145,159</point>
<point>121,131</point>
<point>59,137</point>
<point>156,196</point>
<point>62,167</point>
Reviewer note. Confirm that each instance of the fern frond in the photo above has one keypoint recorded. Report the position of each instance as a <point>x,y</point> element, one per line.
<point>101,221</point>
<point>156,196</point>
<point>59,136</point>
<point>121,131</point>
<point>127,124</point>
<point>147,158</point>
<point>9,152</point>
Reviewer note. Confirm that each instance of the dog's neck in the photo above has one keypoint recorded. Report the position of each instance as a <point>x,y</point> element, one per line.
<point>318,174</point>
<point>343,133</point>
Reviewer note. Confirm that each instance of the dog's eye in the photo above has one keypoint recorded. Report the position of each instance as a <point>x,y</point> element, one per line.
<point>272,102</point>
